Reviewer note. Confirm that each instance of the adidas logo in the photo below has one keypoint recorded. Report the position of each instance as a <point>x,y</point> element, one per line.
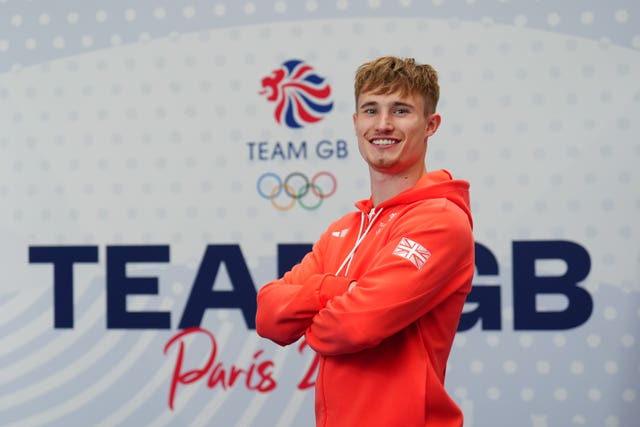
<point>340,233</point>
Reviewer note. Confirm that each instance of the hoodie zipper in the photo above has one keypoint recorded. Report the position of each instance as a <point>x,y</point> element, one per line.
<point>369,220</point>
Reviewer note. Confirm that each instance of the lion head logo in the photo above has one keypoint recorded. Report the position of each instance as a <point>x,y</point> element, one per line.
<point>301,96</point>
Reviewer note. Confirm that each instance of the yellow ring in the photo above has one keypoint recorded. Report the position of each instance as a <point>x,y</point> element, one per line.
<point>275,190</point>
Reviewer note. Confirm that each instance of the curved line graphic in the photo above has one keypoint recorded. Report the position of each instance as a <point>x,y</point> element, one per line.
<point>301,71</point>
<point>320,108</point>
<point>290,118</point>
<point>260,400</point>
<point>304,113</point>
<point>84,396</point>
<point>19,304</point>
<point>247,351</point>
<point>322,92</point>
<point>292,409</point>
<point>41,325</point>
<point>166,416</point>
<point>75,368</point>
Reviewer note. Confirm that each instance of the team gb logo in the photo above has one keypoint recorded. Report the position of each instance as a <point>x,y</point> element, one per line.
<point>301,96</point>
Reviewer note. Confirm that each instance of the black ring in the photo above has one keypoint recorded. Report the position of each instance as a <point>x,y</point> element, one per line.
<point>303,190</point>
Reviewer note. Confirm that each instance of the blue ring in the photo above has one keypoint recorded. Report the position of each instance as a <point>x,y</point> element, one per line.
<point>269,196</point>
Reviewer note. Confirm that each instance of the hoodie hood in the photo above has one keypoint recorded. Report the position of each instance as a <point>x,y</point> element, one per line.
<point>432,185</point>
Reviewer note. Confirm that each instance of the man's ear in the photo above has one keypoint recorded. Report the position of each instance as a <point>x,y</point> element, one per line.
<point>433,123</point>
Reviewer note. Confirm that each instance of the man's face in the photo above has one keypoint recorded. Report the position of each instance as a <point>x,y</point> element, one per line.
<point>392,131</point>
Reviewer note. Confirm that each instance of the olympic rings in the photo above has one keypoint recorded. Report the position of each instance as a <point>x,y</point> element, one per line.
<point>296,187</point>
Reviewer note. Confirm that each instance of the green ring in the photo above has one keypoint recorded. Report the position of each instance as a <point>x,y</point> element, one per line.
<point>314,207</point>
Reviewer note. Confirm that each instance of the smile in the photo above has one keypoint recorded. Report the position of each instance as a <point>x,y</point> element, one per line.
<point>383,142</point>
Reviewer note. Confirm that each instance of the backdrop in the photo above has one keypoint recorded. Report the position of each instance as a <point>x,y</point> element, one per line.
<point>160,161</point>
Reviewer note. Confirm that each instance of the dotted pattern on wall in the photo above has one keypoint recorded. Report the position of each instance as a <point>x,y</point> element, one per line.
<point>31,33</point>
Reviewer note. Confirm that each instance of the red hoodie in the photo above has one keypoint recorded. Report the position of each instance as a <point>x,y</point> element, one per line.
<point>384,344</point>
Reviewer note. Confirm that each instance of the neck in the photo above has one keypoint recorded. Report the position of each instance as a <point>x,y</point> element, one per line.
<point>384,186</point>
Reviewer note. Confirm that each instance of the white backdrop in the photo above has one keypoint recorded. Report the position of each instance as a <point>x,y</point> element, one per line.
<point>137,134</point>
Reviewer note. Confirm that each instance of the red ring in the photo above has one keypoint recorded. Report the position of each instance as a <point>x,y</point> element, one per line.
<point>314,185</point>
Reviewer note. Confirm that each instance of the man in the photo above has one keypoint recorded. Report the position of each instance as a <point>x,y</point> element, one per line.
<point>380,295</point>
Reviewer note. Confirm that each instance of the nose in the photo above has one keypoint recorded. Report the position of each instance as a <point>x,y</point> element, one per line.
<point>384,123</point>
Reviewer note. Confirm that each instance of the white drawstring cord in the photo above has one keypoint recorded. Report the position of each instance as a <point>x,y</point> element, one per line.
<point>350,255</point>
<point>349,258</point>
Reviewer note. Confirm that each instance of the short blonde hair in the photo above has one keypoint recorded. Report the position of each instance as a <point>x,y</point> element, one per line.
<point>390,74</point>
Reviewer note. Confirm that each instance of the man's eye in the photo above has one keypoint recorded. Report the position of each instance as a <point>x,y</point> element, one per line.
<point>369,111</point>
<point>401,111</point>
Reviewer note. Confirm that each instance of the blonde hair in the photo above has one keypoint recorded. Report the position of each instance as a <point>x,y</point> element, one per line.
<point>390,74</point>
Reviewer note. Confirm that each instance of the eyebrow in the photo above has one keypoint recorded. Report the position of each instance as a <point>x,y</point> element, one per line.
<point>394,104</point>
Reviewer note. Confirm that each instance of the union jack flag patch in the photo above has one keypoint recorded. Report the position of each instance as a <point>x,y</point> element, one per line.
<point>412,251</point>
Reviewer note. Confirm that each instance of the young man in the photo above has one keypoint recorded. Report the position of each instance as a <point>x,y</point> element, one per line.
<point>380,295</point>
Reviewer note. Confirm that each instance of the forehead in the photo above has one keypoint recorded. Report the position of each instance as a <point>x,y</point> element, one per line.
<point>393,98</point>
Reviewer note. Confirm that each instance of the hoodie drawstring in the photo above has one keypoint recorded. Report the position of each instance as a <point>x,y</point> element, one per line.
<point>361,236</point>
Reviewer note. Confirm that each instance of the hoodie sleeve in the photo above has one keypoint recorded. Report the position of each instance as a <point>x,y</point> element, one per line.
<point>396,289</point>
<point>287,306</point>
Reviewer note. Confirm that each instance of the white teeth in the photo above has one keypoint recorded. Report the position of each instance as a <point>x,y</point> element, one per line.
<point>383,141</point>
